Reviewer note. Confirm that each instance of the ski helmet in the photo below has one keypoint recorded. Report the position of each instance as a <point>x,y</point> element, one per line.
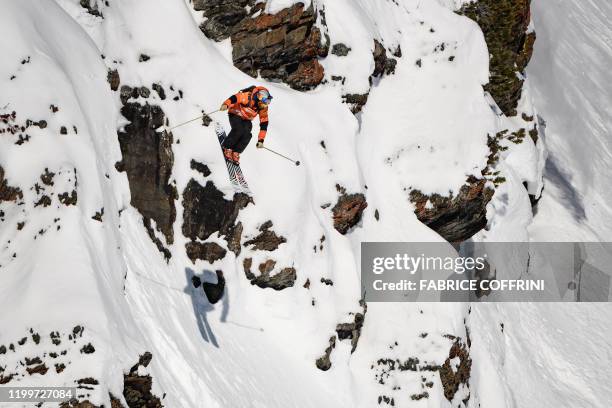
<point>264,96</point>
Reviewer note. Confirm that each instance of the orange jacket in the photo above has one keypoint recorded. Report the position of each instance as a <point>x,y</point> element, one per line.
<point>244,105</point>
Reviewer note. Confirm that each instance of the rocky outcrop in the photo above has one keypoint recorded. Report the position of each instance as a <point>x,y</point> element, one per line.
<point>267,240</point>
<point>323,363</point>
<point>383,65</point>
<point>455,218</point>
<point>347,211</point>
<point>352,330</point>
<point>8,193</point>
<point>285,278</point>
<point>147,159</point>
<point>208,251</point>
<point>137,388</point>
<point>454,373</point>
<point>221,16</point>
<point>206,211</point>
<point>504,24</point>
<point>281,47</point>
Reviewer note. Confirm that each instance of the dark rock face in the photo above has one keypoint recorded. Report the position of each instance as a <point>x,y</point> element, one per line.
<point>323,363</point>
<point>137,388</point>
<point>148,160</point>
<point>356,102</point>
<point>200,168</point>
<point>214,291</point>
<point>221,16</point>
<point>113,79</point>
<point>8,193</point>
<point>451,378</point>
<point>383,65</point>
<point>455,218</point>
<point>267,240</point>
<point>282,280</point>
<point>91,6</point>
<point>281,47</point>
<point>347,211</point>
<point>206,211</point>
<point>340,50</point>
<point>352,330</point>
<point>208,251</point>
<point>504,24</point>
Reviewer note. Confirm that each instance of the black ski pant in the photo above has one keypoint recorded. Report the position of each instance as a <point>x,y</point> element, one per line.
<point>240,135</point>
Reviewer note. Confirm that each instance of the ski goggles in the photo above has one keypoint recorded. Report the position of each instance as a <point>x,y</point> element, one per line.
<point>264,97</point>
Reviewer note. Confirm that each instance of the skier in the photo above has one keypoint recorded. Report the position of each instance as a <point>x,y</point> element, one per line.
<point>243,107</point>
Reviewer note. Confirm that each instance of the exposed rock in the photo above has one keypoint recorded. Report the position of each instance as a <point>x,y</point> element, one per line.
<point>347,211</point>
<point>39,369</point>
<point>98,216</point>
<point>340,50</point>
<point>383,65</point>
<point>47,177</point>
<point>455,218</point>
<point>206,211</point>
<point>282,280</point>
<point>91,6</point>
<point>143,360</point>
<point>504,24</point>
<point>200,167</point>
<point>208,251</point>
<point>283,47</point>
<point>8,193</point>
<point>45,201</point>
<point>356,102</point>
<point>68,198</point>
<point>214,291</point>
<point>452,377</point>
<point>158,243</point>
<point>147,159</point>
<point>324,363</point>
<point>137,388</point>
<point>352,330</point>
<point>88,349</point>
<point>221,16</point>
<point>267,240</point>
<point>233,239</point>
<point>113,79</point>
<point>160,91</point>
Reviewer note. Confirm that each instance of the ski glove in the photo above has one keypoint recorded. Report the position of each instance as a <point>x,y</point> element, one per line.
<point>259,144</point>
<point>223,107</point>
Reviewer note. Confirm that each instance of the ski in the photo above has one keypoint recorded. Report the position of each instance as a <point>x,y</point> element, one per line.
<point>234,171</point>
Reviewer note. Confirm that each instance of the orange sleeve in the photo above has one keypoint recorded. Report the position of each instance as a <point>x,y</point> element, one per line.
<point>263,124</point>
<point>239,98</point>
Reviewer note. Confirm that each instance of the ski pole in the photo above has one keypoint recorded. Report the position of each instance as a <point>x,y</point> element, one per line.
<point>189,121</point>
<point>296,162</point>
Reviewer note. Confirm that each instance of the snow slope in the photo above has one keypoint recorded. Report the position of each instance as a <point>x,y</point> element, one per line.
<point>423,127</point>
<point>570,84</point>
<point>555,355</point>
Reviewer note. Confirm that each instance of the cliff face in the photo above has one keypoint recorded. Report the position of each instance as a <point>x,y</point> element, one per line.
<point>282,47</point>
<point>147,159</point>
<point>504,24</point>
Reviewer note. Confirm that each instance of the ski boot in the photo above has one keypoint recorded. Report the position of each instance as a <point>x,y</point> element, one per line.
<point>229,155</point>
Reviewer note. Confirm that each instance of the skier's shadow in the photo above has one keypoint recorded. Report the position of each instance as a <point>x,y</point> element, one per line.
<point>201,305</point>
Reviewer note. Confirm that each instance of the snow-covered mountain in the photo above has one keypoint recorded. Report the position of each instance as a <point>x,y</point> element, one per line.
<point>413,120</point>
